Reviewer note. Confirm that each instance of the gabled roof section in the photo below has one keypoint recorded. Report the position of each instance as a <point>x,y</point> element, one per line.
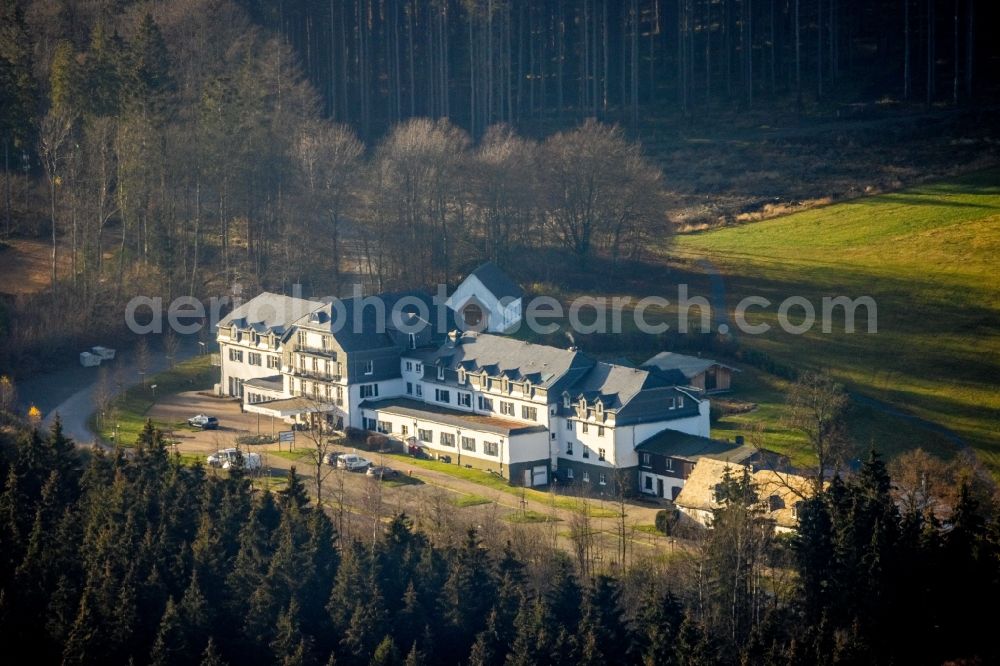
<point>270,312</point>
<point>498,282</point>
<point>690,366</point>
<point>615,385</point>
<point>372,333</point>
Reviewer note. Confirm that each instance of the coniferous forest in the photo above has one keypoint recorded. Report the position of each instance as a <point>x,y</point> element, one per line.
<point>108,558</point>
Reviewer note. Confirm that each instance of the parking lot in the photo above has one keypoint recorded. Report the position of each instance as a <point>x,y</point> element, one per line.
<point>431,496</point>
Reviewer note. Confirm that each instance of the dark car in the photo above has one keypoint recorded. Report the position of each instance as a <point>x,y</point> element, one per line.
<point>204,422</point>
<point>381,472</point>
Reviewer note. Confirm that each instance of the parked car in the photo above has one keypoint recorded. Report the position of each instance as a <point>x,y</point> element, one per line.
<point>353,462</point>
<point>230,458</point>
<point>331,458</point>
<point>381,472</point>
<point>204,422</point>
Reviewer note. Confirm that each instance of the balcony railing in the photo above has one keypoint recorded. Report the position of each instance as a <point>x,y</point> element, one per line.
<point>317,374</point>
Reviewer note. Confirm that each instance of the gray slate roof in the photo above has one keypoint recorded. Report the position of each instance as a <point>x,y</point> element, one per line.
<point>689,365</point>
<point>676,444</point>
<point>269,311</point>
<point>546,367</point>
<point>499,284</point>
<point>377,328</point>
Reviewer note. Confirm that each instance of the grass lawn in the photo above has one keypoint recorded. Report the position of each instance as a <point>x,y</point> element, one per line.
<point>132,406</point>
<point>463,501</point>
<point>497,483</point>
<point>299,455</point>
<point>928,256</point>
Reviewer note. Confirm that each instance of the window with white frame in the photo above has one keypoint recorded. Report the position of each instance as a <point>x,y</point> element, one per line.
<point>273,362</point>
<point>465,399</point>
<point>569,473</point>
<point>600,431</point>
<point>506,408</point>
<point>441,373</point>
<point>586,476</point>
<point>404,430</point>
<point>603,479</point>
<point>425,435</point>
<point>468,443</point>
<point>236,355</point>
<point>418,367</point>
<point>569,448</point>
<point>680,402</point>
<point>647,460</point>
<point>673,403</point>
<point>585,427</point>
<point>253,358</point>
<point>485,404</point>
<point>442,395</point>
<point>447,439</point>
<point>491,448</point>
<point>384,427</point>
<point>369,367</point>
<point>569,424</point>
<point>409,388</point>
<point>669,464</point>
<point>529,413</point>
<point>420,390</point>
<point>600,454</point>
<point>409,366</point>
<point>369,391</point>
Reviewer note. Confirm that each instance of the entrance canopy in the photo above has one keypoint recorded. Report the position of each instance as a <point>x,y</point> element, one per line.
<point>287,407</point>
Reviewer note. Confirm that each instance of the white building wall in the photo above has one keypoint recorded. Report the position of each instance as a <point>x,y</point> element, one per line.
<point>242,370</point>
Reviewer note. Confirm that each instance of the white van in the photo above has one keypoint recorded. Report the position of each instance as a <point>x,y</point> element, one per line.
<point>229,458</point>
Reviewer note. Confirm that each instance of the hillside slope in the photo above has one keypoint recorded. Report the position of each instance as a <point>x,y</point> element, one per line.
<point>928,256</point>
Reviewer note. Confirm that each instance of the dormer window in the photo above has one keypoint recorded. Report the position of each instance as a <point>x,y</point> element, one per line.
<point>505,385</point>
<point>600,407</point>
<point>461,375</point>
<point>413,340</point>
<point>234,332</point>
<point>441,373</point>
<point>567,403</point>
<point>680,402</point>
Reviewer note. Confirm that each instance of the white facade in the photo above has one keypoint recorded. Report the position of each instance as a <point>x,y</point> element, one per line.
<point>244,357</point>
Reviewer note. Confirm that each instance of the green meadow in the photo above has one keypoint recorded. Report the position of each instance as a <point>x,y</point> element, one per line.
<point>928,256</point>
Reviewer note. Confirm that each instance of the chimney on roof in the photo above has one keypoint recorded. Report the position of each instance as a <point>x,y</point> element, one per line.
<point>452,338</point>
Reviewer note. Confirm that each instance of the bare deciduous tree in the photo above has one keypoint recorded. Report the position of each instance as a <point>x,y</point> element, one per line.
<point>817,406</point>
<point>53,136</point>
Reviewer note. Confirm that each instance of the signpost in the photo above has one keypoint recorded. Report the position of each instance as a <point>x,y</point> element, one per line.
<point>286,436</point>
